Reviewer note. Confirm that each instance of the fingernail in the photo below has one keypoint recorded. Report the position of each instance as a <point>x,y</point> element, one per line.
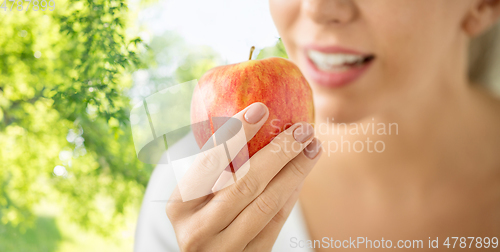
<point>303,133</point>
<point>312,150</point>
<point>255,113</point>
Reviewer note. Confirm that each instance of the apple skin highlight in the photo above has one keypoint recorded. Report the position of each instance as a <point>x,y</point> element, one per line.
<point>224,91</point>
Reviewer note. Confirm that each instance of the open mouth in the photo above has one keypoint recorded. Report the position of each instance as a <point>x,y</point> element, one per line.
<point>338,62</point>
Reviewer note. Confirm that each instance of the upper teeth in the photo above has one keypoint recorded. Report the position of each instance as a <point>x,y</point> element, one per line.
<point>331,61</point>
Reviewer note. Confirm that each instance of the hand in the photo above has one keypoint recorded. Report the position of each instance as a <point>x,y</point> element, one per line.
<point>249,214</point>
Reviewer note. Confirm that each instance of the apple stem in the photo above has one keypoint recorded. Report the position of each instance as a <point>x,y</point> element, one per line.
<point>251,52</point>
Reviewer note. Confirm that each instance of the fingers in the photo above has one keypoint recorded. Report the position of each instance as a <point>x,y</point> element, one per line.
<point>267,237</point>
<point>262,168</point>
<point>213,159</point>
<point>258,214</point>
<point>280,151</point>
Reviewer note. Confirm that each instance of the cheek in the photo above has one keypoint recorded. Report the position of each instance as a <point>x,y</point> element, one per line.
<point>285,14</point>
<point>396,28</point>
<point>408,33</point>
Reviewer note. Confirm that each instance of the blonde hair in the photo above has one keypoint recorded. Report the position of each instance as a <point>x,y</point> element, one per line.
<point>484,59</point>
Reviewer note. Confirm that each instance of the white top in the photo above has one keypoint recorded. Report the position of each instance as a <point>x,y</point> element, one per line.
<point>154,233</point>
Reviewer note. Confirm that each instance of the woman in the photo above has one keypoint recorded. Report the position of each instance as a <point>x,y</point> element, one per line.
<point>380,63</point>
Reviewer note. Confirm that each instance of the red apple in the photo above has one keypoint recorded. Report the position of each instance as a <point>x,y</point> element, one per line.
<point>224,91</point>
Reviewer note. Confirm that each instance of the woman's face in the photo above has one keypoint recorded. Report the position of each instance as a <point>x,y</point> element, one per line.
<point>367,56</point>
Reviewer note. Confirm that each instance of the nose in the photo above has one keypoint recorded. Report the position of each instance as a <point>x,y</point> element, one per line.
<point>330,11</point>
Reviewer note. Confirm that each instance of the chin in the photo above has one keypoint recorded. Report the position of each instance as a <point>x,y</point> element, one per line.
<point>342,108</point>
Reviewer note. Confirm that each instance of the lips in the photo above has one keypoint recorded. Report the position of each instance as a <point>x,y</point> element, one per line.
<point>335,66</point>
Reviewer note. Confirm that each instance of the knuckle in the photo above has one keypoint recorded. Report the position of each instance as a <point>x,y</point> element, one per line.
<point>267,203</point>
<point>246,187</point>
<point>298,169</point>
<point>282,151</point>
<point>172,207</point>
<point>191,240</point>
<point>280,217</point>
<point>231,128</point>
<point>189,245</point>
<point>208,160</point>
<point>170,211</point>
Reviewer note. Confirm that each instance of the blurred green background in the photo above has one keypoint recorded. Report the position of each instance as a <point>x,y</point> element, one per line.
<point>69,176</point>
